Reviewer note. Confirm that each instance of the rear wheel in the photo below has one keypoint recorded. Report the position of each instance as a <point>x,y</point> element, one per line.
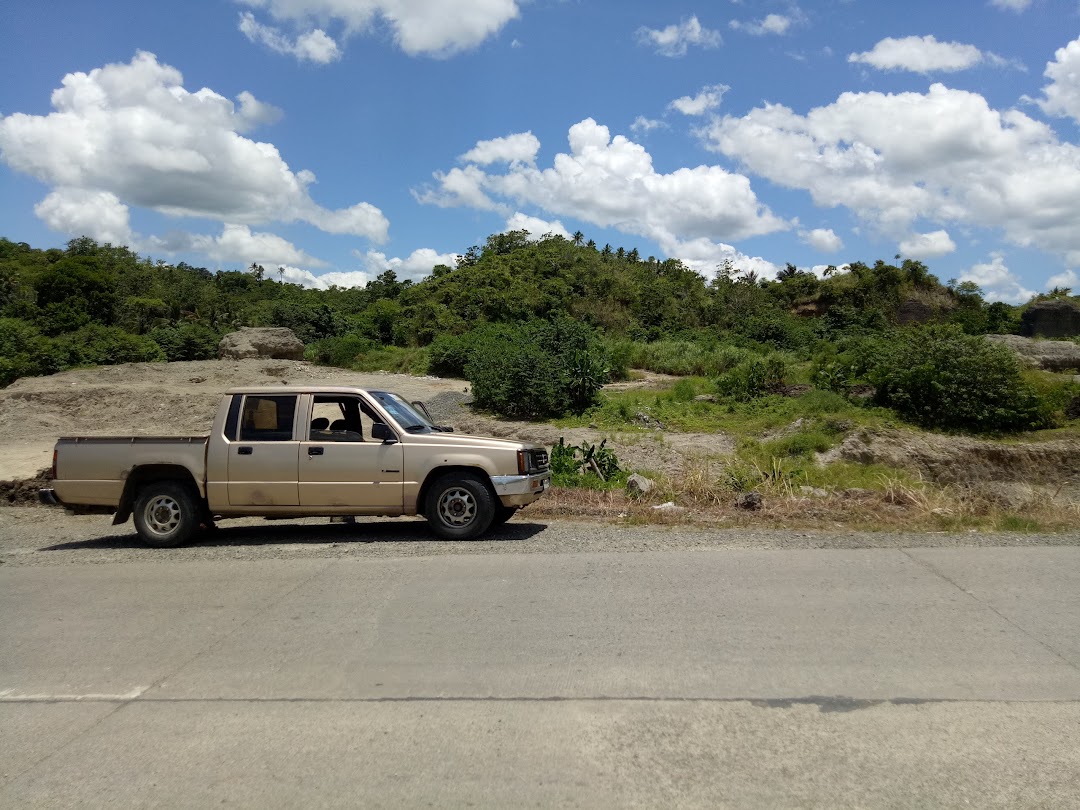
<point>459,507</point>
<point>167,513</point>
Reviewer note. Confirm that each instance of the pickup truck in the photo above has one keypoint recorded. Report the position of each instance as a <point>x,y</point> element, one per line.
<point>289,451</point>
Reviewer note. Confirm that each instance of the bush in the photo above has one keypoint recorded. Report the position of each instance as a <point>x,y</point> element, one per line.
<point>97,345</point>
<point>544,368</point>
<point>753,378</point>
<point>939,377</point>
<point>342,352</point>
<point>187,341</point>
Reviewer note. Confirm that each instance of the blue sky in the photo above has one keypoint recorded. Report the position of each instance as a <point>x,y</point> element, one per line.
<point>338,138</point>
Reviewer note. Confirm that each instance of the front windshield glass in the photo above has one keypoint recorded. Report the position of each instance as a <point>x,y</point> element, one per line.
<point>404,414</point>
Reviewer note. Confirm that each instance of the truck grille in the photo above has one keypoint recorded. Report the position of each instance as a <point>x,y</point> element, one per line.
<point>540,459</point>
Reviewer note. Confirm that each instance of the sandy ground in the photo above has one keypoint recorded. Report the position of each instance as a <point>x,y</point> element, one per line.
<point>180,399</point>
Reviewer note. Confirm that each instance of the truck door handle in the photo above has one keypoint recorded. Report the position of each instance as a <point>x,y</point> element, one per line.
<point>243,451</point>
<point>314,451</point>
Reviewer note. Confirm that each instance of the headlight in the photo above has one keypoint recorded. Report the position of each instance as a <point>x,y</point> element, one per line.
<point>531,462</point>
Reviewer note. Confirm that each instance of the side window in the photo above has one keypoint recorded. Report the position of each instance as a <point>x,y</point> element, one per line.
<point>340,419</point>
<point>267,418</point>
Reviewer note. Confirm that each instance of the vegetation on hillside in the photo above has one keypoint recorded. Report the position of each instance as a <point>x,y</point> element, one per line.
<point>538,326</point>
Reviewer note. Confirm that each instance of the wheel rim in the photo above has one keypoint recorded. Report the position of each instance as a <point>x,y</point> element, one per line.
<point>162,514</point>
<point>457,507</point>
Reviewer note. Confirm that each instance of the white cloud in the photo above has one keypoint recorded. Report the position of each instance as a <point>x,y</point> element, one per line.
<point>920,55</point>
<point>927,245</point>
<point>611,182</point>
<point>706,256</point>
<point>997,282</point>
<point>944,157</point>
<point>521,147</point>
<point>1069,279</point>
<point>778,24</point>
<point>97,214</point>
<point>823,239</point>
<point>236,244</point>
<point>1063,92</point>
<point>708,99</point>
<point>1011,5</point>
<point>537,228</point>
<point>646,125</point>
<point>675,40</point>
<point>132,131</point>
<point>305,278</point>
<point>416,265</point>
<point>313,46</point>
<point>430,27</point>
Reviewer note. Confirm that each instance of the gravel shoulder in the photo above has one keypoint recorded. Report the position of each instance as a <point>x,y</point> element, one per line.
<point>35,536</point>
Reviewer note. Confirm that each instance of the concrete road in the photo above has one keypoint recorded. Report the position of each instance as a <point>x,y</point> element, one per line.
<point>741,678</point>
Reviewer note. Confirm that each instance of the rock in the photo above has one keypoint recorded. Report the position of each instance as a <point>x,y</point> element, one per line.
<point>914,311</point>
<point>749,500</point>
<point>796,390</point>
<point>813,492</point>
<point>277,343</point>
<point>670,508</point>
<point>1049,355</point>
<point>1053,318</point>
<point>862,391</point>
<point>638,485</point>
<point>648,421</point>
<point>857,494</point>
<point>705,398</point>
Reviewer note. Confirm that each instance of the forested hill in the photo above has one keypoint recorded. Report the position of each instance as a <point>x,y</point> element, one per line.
<point>97,304</point>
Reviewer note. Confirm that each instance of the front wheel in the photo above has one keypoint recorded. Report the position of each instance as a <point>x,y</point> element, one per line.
<point>167,513</point>
<point>459,507</point>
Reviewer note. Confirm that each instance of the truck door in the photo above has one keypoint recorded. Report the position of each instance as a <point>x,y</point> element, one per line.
<point>263,459</point>
<point>340,463</point>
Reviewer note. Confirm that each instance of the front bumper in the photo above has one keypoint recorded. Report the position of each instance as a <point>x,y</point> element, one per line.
<point>518,490</point>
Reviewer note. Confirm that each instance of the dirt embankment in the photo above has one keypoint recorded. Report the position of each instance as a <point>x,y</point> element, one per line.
<point>181,399</point>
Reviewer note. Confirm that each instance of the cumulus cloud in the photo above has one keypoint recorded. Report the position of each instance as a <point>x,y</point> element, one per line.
<point>823,239</point>
<point>521,147</point>
<point>706,257</point>
<point>927,245</point>
<point>778,24</point>
<point>97,214</point>
<point>611,182</point>
<point>1062,95</point>
<point>646,125</point>
<point>236,244</point>
<point>708,99</point>
<point>416,265</point>
<point>313,46</point>
<point>420,27</point>
<point>537,228</point>
<point>132,135</point>
<point>922,55</point>
<point>675,40</point>
<point>998,283</point>
<point>944,156</point>
<point>1069,279</point>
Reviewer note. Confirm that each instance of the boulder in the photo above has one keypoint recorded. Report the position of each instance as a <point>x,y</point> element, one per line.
<point>749,500</point>
<point>1049,355</point>
<point>638,485</point>
<point>277,343</point>
<point>1053,318</point>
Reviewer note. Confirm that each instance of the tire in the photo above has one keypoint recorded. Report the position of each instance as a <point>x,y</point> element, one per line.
<point>503,514</point>
<point>167,513</point>
<point>459,507</point>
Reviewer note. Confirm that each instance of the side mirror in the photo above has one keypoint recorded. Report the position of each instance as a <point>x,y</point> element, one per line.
<point>382,432</point>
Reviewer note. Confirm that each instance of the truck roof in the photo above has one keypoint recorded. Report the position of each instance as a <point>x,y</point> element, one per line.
<point>298,389</point>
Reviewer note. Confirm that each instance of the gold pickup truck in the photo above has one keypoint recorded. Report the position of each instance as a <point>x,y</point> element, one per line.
<point>288,451</point>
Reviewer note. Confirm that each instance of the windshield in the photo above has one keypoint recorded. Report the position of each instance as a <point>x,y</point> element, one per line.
<point>404,414</point>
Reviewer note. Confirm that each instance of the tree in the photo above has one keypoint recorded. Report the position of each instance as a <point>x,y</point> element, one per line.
<point>257,270</point>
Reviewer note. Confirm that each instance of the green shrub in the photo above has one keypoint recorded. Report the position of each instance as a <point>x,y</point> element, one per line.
<point>187,341</point>
<point>753,378</point>
<point>342,352</point>
<point>97,345</point>
<point>544,368</point>
<point>939,377</point>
